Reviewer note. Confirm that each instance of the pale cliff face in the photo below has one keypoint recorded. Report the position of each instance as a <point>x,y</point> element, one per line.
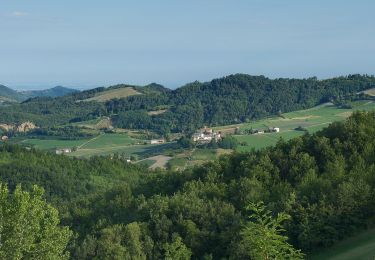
<point>24,127</point>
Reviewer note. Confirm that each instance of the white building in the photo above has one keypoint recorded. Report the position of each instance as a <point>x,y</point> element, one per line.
<point>63,151</point>
<point>206,135</point>
<point>157,141</point>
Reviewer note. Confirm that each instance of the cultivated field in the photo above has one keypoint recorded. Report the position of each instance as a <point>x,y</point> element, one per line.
<point>49,144</point>
<point>194,157</point>
<point>114,93</point>
<point>95,124</point>
<point>312,120</point>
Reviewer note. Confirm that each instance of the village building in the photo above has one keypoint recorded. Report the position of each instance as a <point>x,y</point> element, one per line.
<point>4,138</point>
<point>206,135</point>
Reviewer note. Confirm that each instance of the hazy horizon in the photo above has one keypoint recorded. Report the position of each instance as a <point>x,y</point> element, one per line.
<point>40,87</point>
<point>88,44</point>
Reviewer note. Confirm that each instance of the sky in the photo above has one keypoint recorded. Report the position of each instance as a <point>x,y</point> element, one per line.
<point>90,43</point>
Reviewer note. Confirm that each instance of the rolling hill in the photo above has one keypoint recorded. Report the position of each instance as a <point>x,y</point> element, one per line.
<point>10,95</point>
<point>233,99</point>
<point>52,92</point>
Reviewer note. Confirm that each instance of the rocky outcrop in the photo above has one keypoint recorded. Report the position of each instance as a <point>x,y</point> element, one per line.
<point>6,127</point>
<point>25,127</point>
<point>22,128</point>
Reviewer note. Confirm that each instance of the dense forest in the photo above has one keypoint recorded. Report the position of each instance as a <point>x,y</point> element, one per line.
<point>233,99</point>
<point>319,188</point>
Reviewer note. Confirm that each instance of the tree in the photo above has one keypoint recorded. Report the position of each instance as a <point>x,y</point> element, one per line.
<point>185,142</point>
<point>29,226</point>
<point>228,142</point>
<point>177,250</point>
<point>262,235</point>
<point>124,242</point>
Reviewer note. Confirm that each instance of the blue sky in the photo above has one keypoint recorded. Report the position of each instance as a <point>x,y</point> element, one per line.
<point>87,43</point>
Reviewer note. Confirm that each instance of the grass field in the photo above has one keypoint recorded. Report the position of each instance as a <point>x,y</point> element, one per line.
<point>312,120</point>
<point>95,124</point>
<point>360,247</point>
<point>114,93</point>
<point>53,144</point>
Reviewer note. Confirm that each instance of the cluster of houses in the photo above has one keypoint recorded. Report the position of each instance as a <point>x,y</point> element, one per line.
<point>206,135</point>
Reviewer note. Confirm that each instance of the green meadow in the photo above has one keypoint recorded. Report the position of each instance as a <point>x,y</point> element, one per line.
<point>312,120</point>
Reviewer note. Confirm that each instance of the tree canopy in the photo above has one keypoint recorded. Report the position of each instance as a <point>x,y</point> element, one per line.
<point>29,226</point>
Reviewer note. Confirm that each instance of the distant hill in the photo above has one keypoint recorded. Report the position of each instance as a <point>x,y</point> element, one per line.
<point>229,100</point>
<point>58,91</point>
<point>9,95</point>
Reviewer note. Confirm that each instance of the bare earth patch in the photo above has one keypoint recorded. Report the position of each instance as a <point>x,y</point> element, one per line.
<point>161,161</point>
<point>157,112</point>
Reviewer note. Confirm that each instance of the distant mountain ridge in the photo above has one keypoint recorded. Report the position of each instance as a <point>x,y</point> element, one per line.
<point>10,95</point>
<point>52,92</point>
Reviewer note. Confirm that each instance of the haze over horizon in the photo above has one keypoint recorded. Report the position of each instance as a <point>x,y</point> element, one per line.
<point>94,43</point>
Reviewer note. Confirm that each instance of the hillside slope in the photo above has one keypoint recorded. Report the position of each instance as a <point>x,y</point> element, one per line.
<point>58,91</point>
<point>229,100</point>
<point>114,93</point>
<point>9,94</point>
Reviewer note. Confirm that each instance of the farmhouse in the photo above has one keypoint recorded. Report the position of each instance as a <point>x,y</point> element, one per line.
<point>63,151</point>
<point>4,138</point>
<point>206,135</point>
<point>157,141</point>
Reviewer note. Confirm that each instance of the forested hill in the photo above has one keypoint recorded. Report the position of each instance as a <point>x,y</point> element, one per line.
<point>18,96</point>
<point>233,99</point>
<point>319,187</point>
<point>57,91</point>
<point>9,94</point>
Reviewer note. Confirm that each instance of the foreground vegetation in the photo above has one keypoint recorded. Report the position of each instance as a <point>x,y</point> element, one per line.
<point>319,188</point>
